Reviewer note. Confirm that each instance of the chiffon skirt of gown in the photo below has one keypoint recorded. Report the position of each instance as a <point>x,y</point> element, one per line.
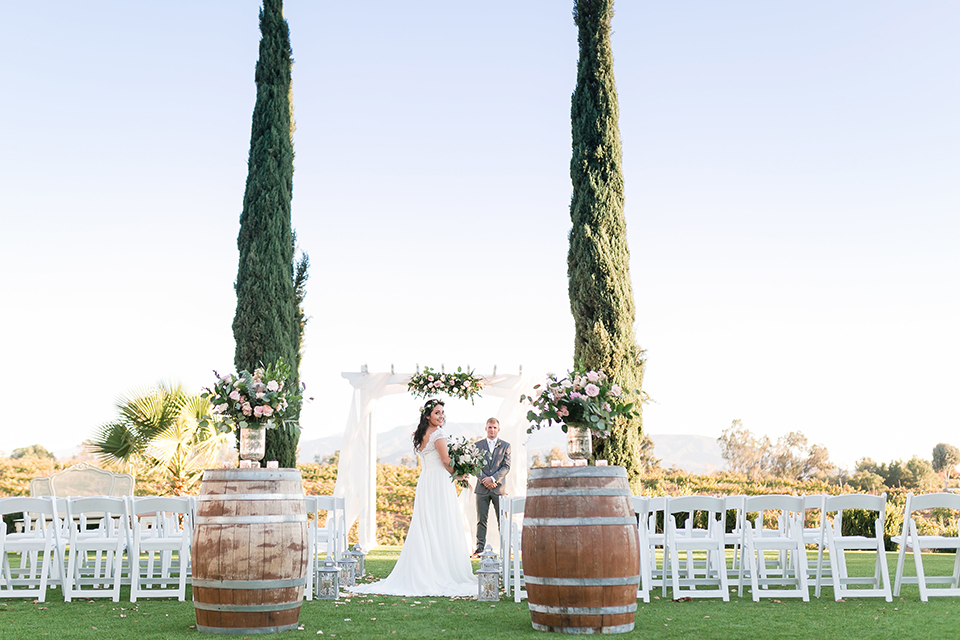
<point>435,559</point>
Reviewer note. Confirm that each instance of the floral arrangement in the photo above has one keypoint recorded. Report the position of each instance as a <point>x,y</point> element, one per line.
<point>465,458</point>
<point>462,384</point>
<point>256,399</point>
<point>587,398</point>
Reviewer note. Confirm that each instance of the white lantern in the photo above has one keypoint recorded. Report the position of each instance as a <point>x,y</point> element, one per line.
<point>348,570</point>
<point>328,584</point>
<point>359,555</point>
<point>488,577</point>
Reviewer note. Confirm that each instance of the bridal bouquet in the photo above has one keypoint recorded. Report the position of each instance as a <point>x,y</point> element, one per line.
<point>465,458</point>
<point>256,399</point>
<point>583,398</point>
<point>462,384</point>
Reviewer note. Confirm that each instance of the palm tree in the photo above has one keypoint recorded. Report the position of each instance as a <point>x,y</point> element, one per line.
<point>164,428</point>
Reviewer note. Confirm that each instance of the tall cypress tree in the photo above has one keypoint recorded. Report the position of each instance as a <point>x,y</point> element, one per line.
<point>601,297</point>
<point>267,323</point>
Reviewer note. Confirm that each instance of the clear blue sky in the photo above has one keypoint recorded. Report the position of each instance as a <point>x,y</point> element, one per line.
<point>792,202</point>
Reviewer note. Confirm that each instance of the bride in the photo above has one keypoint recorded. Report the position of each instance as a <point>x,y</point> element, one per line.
<point>434,560</point>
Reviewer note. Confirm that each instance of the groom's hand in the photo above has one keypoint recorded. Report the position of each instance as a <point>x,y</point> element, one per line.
<point>489,483</point>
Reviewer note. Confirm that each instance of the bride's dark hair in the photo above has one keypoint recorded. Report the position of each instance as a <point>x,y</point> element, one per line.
<point>424,422</point>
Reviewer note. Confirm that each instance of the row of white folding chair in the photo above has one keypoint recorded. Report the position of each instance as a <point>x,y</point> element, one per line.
<point>911,538</point>
<point>330,540</point>
<point>87,538</point>
<point>511,539</point>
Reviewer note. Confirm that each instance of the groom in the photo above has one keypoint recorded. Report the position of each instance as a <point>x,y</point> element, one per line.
<point>490,486</point>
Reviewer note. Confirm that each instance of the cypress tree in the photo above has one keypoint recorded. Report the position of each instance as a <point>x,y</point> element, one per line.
<point>267,322</point>
<point>601,296</point>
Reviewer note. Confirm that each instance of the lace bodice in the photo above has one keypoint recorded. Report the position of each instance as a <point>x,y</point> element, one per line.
<point>429,455</point>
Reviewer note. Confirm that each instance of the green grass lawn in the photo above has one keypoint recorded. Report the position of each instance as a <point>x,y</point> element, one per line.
<point>415,618</point>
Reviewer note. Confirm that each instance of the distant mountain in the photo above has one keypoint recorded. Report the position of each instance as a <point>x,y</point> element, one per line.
<point>695,454</point>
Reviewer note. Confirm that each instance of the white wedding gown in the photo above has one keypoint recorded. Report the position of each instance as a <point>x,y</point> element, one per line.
<point>435,559</point>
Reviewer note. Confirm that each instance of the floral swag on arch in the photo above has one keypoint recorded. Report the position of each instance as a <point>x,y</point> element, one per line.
<point>461,384</point>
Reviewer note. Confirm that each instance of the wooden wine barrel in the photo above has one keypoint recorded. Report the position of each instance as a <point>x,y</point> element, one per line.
<point>250,551</point>
<point>580,550</point>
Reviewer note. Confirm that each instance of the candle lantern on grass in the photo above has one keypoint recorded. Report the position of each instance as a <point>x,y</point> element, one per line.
<point>348,570</point>
<point>488,577</point>
<point>328,586</point>
<point>359,555</point>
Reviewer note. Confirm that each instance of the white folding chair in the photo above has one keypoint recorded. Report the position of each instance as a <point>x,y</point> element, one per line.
<point>517,583</point>
<point>639,504</point>
<point>37,544</point>
<point>96,552</point>
<point>654,520</point>
<point>310,505</point>
<point>162,527</point>
<point>837,544</point>
<point>332,538</point>
<point>734,537</point>
<point>910,538</point>
<point>689,538</point>
<point>813,535</point>
<point>785,537</point>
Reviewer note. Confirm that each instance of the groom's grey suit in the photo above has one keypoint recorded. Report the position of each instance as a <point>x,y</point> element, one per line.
<point>497,467</point>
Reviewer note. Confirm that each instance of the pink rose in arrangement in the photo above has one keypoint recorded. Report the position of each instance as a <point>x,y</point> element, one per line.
<point>258,411</point>
<point>593,376</point>
<point>563,412</point>
<point>615,389</point>
<point>592,390</point>
<point>235,395</point>
<point>273,385</point>
<point>267,410</point>
<point>247,409</point>
<point>576,395</point>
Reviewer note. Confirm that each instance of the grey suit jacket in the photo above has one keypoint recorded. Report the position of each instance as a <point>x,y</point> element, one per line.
<point>497,467</point>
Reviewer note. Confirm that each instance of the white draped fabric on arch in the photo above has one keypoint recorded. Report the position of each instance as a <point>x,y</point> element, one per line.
<point>357,468</point>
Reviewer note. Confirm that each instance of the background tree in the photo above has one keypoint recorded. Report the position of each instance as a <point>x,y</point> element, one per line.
<point>789,458</point>
<point>743,451</point>
<point>601,296</point>
<point>34,450</point>
<point>648,461</point>
<point>269,320</point>
<point>160,427</point>
<point>945,459</point>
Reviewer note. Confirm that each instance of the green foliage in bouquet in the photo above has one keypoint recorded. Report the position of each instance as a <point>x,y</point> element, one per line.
<point>588,398</point>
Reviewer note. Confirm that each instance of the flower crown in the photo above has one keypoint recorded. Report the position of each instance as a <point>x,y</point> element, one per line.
<point>430,404</point>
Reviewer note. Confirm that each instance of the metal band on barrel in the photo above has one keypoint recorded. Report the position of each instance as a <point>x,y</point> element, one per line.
<point>584,611</point>
<point>249,608</point>
<point>568,491</point>
<point>250,496</point>
<point>577,472</point>
<point>583,582</point>
<point>291,517</point>
<point>620,628</point>
<point>579,522</point>
<point>268,475</point>
<point>236,631</point>
<point>250,584</point>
